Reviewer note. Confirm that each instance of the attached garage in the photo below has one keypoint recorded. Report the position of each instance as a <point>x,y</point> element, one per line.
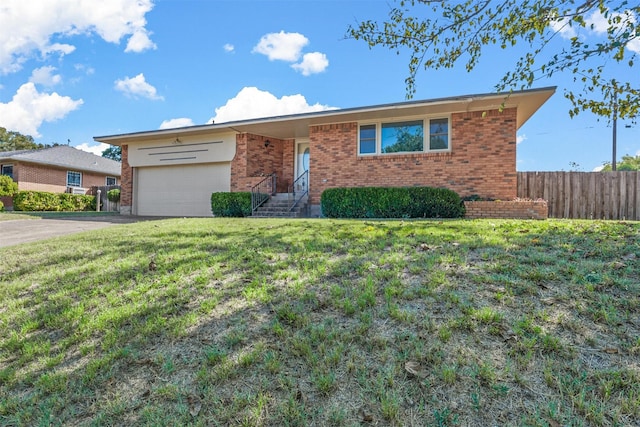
<point>180,190</point>
<point>174,175</point>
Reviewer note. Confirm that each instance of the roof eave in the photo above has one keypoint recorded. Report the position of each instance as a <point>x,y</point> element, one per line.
<point>527,102</point>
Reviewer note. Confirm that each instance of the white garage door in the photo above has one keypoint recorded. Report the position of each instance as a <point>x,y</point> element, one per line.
<point>183,190</point>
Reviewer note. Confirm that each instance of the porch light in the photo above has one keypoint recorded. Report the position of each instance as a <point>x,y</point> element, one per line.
<point>267,143</point>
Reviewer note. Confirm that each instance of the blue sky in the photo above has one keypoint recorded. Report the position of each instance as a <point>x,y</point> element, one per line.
<point>74,69</point>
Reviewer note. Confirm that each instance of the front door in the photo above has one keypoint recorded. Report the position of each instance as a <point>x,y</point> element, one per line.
<point>302,165</point>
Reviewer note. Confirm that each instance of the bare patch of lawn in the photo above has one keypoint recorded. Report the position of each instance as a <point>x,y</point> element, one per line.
<point>324,322</point>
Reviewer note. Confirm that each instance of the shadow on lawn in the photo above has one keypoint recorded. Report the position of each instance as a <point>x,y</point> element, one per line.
<point>167,322</point>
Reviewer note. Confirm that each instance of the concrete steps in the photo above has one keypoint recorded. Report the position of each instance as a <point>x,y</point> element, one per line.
<point>278,207</point>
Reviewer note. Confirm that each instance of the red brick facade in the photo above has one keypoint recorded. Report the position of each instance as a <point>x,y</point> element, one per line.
<point>482,159</point>
<point>521,209</point>
<point>256,159</point>
<point>126,187</point>
<point>36,177</point>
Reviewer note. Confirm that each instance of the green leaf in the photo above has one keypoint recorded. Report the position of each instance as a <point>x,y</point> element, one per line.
<point>438,34</point>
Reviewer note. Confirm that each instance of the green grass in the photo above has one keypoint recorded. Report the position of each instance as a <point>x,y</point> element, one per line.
<point>5,216</point>
<point>314,322</point>
<point>11,216</point>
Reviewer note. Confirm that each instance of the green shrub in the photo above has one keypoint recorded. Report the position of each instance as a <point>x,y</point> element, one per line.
<point>391,202</point>
<point>234,204</point>
<point>113,195</point>
<point>1,206</point>
<point>427,202</point>
<point>59,202</point>
<point>8,187</point>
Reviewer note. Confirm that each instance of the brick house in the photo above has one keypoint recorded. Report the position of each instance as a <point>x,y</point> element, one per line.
<point>58,169</point>
<point>464,143</point>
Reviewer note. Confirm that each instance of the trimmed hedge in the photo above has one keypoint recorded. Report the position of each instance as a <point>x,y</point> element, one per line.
<point>234,204</point>
<point>1,206</point>
<point>391,202</point>
<point>58,202</point>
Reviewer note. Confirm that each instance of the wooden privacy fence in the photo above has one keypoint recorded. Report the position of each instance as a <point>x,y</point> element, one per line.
<point>106,204</point>
<point>586,195</point>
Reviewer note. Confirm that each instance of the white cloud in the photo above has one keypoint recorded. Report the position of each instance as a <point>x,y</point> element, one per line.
<point>521,138</point>
<point>281,46</point>
<point>288,47</point>
<point>312,63</point>
<point>598,168</point>
<point>564,28</point>
<point>228,47</point>
<point>139,42</point>
<point>44,76</point>
<point>94,149</point>
<point>28,27</point>
<point>137,87</point>
<point>634,45</point>
<point>251,103</point>
<point>29,109</point>
<point>176,123</point>
<point>85,69</point>
<point>597,24</point>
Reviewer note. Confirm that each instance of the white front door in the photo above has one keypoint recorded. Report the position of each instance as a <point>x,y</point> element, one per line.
<point>302,165</point>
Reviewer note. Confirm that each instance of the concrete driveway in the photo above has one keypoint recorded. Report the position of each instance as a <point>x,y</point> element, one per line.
<point>15,232</point>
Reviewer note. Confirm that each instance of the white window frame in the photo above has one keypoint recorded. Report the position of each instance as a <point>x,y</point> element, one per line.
<point>106,180</point>
<point>73,185</point>
<point>426,126</point>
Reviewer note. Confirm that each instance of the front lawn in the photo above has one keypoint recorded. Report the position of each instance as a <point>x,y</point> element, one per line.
<point>324,322</point>
<point>53,215</point>
<point>10,216</point>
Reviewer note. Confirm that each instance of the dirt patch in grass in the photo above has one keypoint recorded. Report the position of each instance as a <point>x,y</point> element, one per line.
<point>319,322</point>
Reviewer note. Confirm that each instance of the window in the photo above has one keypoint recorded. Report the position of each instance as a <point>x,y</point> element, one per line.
<point>402,137</point>
<point>7,170</point>
<point>74,179</point>
<point>438,134</point>
<point>410,136</point>
<point>111,180</point>
<point>368,139</point>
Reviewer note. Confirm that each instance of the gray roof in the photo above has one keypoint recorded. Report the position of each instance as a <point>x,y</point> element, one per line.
<point>66,157</point>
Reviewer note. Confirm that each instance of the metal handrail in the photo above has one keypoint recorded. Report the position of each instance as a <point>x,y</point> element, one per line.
<point>294,198</point>
<point>262,191</point>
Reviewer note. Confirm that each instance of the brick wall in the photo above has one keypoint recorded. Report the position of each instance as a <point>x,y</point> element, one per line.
<point>40,178</point>
<point>240,181</point>
<point>507,209</point>
<point>126,182</point>
<point>34,177</point>
<point>253,161</point>
<point>288,163</point>
<point>482,160</point>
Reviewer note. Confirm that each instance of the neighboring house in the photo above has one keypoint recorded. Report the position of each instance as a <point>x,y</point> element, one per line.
<point>59,169</point>
<point>464,143</point>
